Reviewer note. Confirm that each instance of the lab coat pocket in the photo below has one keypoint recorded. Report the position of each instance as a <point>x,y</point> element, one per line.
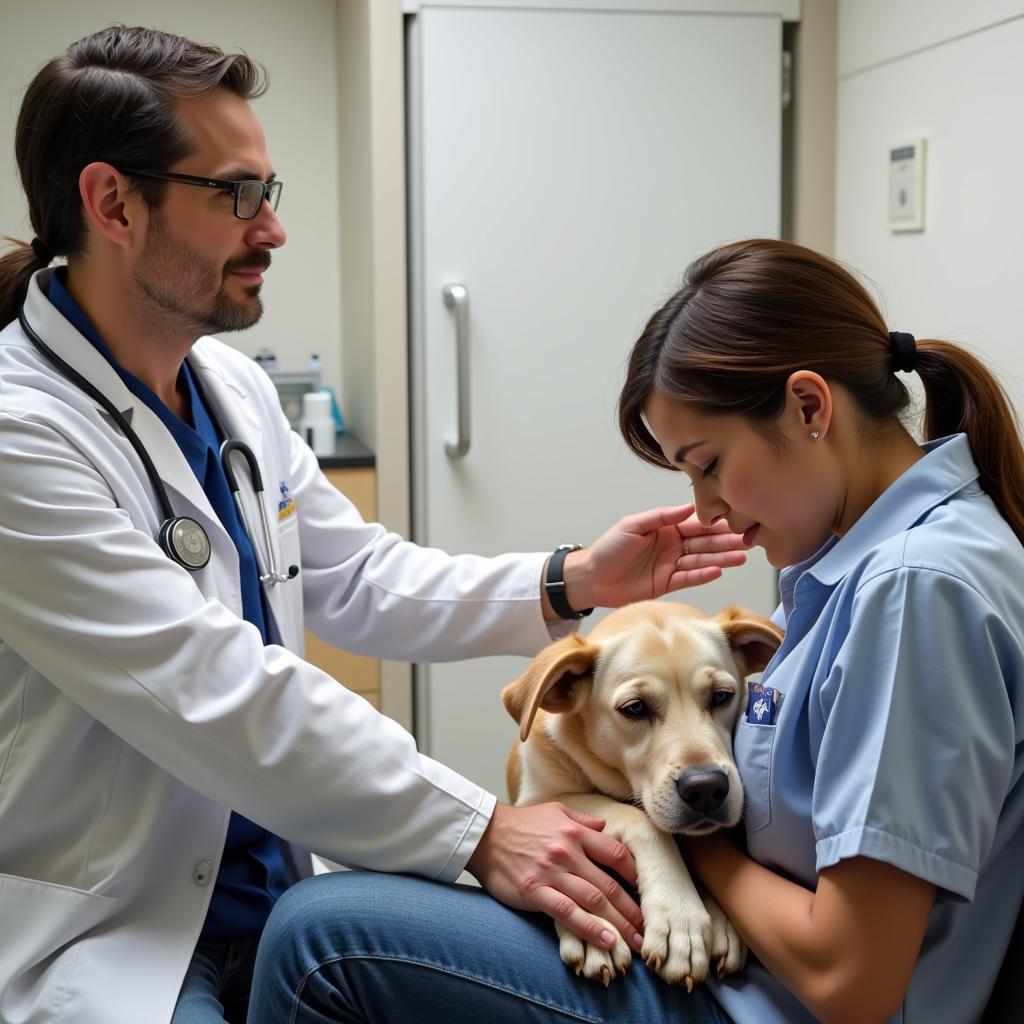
<point>39,922</point>
<point>290,555</point>
<point>288,540</point>
<point>753,750</point>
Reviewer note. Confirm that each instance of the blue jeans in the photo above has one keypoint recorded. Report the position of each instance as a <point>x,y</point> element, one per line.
<point>217,984</point>
<point>388,949</point>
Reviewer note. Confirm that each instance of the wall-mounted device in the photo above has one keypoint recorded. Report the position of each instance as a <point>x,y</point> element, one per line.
<point>906,186</point>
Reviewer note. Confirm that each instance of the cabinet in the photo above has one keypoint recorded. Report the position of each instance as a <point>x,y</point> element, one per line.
<point>356,671</point>
<point>566,165</point>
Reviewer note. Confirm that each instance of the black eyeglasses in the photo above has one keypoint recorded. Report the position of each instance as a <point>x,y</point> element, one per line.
<point>249,195</point>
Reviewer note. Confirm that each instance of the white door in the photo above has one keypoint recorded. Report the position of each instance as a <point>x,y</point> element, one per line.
<point>564,169</point>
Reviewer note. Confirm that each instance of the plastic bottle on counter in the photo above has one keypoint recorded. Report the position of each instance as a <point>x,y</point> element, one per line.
<point>266,358</point>
<point>317,423</point>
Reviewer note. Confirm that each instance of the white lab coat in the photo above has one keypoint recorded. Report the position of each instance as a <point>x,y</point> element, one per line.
<point>137,707</point>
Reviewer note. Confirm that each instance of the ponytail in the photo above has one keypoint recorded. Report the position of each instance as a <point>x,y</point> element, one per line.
<point>962,395</point>
<point>16,269</point>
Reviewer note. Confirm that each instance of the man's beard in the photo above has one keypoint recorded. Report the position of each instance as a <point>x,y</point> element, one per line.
<point>178,280</point>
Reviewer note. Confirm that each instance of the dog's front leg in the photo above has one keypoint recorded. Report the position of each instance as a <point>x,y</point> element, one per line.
<point>677,927</point>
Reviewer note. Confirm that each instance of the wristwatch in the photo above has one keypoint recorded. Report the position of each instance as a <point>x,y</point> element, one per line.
<point>554,584</point>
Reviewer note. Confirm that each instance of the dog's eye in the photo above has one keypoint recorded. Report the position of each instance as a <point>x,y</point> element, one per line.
<point>634,709</point>
<point>720,697</point>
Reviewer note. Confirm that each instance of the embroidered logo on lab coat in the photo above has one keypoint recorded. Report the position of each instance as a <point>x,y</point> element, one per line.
<point>286,506</point>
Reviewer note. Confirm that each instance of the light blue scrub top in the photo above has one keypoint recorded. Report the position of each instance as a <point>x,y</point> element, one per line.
<point>900,733</point>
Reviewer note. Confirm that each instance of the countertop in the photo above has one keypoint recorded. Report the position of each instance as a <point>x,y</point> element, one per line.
<point>349,453</point>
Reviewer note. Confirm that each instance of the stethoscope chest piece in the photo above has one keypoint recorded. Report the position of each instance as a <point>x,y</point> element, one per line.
<point>184,541</point>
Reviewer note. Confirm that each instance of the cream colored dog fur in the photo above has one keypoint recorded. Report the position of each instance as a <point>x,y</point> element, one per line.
<point>633,723</point>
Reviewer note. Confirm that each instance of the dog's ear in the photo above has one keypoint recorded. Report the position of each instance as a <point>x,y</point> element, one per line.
<point>753,637</point>
<point>555,681</point>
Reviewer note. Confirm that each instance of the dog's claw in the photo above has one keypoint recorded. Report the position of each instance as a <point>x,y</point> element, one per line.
<point>689,983</point>
<point>606,976</point>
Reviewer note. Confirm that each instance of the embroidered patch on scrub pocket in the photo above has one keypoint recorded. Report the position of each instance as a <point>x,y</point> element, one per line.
<point>763,703</point>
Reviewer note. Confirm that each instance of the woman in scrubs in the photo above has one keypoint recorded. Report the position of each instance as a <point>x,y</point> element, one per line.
<point>877,876</point>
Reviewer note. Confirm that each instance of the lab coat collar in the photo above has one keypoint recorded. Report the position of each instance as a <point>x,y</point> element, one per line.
<point>75,350</point>
<point>78,353</point>
<point>947,468</point>
<point>228,396</point>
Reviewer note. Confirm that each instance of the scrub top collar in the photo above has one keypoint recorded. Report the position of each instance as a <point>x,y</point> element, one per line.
<point>947,468</point>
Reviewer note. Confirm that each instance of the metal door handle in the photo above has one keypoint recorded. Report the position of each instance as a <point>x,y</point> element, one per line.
<point>456,297</point>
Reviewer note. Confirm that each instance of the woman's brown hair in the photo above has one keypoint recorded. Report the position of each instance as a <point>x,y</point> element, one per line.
<point>111,97</point>
<point>751,313</point>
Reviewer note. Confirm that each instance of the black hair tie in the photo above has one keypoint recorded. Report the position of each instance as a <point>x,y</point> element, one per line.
<point>42,253</point>
<point>904,351</point>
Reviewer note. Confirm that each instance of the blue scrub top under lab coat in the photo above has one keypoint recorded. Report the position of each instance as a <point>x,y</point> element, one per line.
<point>252,874</point>
<point>899,732</point>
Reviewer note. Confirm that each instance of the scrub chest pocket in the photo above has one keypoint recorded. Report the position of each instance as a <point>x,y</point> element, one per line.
<point>753,750</point>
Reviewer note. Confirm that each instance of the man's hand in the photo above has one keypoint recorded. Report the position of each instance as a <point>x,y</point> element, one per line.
<point>543,858</point>
<point>650,554</point>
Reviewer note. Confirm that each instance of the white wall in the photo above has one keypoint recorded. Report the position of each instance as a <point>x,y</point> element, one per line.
<point>951,72</point>
<point>297,44</point>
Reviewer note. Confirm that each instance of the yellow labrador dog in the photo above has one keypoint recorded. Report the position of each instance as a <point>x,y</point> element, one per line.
<point>633,723</point>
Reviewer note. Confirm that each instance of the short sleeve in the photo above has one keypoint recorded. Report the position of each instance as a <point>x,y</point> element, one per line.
<point>916,747</point>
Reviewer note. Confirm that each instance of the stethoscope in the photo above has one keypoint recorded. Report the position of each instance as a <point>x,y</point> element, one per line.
<point>181,538</point>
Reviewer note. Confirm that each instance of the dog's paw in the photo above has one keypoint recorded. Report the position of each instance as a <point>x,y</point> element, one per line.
<point>727,952</point>
<point>593,962</point>
<point>677,936</point>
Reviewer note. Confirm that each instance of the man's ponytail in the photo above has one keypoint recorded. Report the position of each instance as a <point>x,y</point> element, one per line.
<point>17,266</point>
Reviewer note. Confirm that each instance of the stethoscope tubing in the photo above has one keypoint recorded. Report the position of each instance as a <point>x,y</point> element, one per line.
<point>181,538</point>
<point>227,449</point>
<point>115,414</point>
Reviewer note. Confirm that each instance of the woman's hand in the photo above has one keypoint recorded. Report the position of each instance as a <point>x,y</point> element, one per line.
<point>543,858</point>
<point>650,554</point>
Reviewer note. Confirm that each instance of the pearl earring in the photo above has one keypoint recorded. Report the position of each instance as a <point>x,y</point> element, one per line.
<point>815,435</point>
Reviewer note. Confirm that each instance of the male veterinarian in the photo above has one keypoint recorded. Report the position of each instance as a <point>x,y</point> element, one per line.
<point>159,729</point>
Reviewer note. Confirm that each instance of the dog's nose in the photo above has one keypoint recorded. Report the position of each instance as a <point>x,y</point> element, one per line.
<point>703,789</point>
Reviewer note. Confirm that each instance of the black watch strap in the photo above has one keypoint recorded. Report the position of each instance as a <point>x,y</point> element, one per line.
<point>554,583</point>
